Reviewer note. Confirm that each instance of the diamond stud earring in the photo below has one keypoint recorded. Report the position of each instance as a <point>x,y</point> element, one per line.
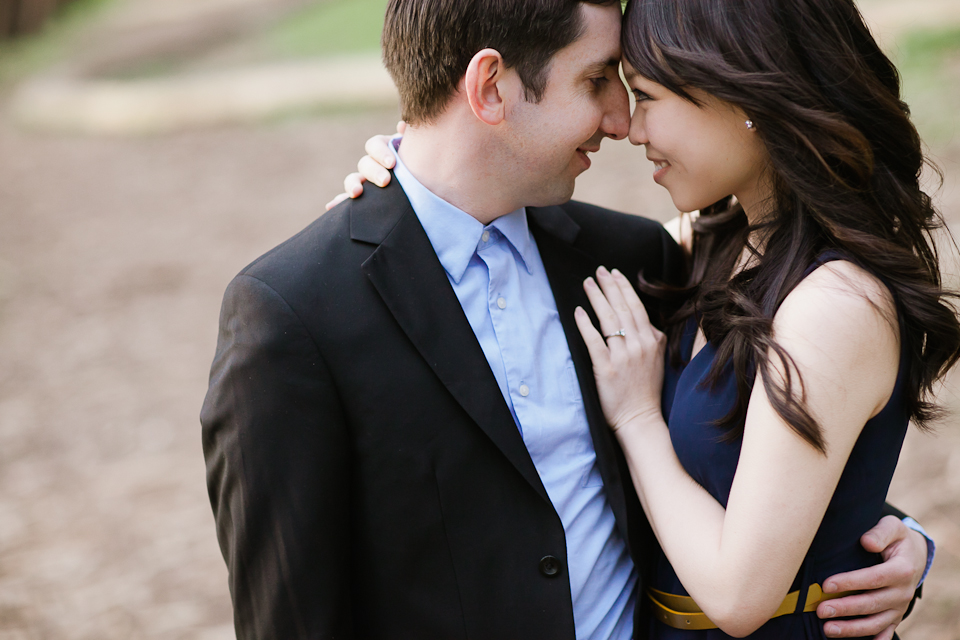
<point>749,124</point>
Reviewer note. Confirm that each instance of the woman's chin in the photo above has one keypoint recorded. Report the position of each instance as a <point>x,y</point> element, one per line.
<point>686,204</point>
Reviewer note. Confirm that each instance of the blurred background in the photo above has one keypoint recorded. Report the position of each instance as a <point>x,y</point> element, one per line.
<point>149,149</point>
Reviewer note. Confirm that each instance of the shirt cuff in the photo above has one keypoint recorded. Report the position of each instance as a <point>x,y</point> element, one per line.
<point>931,547</point>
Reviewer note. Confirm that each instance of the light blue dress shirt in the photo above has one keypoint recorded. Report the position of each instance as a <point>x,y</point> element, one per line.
<point>499,279</point>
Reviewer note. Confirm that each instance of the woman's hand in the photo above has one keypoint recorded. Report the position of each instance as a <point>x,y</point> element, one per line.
<point>628,363</point>
<point>372,167</point>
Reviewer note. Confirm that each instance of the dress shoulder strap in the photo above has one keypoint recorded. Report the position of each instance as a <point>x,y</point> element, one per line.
<point>829,255</point>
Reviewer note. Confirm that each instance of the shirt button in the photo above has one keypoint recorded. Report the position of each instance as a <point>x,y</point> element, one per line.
<point>524,390</point>
<point>502,303</point>
<point>550,566</point>
<point>486,236</point>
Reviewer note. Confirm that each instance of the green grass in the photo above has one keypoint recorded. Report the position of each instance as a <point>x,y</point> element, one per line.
<point>28,54</point>
<point>330,27</point>
<point>929,63</point>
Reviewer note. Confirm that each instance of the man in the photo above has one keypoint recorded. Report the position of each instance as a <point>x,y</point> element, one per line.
<point>402,435</point>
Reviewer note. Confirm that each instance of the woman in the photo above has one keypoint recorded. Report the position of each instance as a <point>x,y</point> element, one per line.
<point>813,326</point>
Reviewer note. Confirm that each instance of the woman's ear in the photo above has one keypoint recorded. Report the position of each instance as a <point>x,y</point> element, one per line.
<point>486,68</point>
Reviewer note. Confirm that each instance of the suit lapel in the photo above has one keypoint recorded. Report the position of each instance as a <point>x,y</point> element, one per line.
<point>567,268</point>
<point>406,273</point>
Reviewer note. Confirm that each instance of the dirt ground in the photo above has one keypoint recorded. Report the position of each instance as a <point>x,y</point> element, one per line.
<point>114,254</point>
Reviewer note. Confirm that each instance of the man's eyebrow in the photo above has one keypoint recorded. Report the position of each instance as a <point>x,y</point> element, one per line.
<point>603,65</point>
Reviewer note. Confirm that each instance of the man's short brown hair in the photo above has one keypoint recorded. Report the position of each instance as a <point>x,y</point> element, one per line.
<point>427,44</point>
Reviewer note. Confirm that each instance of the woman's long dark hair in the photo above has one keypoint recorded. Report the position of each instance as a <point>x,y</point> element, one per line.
<point>845,168</point>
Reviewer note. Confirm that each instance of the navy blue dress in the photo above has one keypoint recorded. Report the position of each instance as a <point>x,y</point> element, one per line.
<point>691,408</point>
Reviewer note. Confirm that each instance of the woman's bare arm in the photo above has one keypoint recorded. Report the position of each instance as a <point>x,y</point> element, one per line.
<point>739,563</point>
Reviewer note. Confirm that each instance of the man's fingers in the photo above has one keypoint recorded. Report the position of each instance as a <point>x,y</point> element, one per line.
<point>863,604</point>
<point>373,171</point>
<point>876,577</point>
<point>378,148</point>
<point>886,532</point>
<point>886,634</point>
<point>340,198</point>
<point>861,627</point>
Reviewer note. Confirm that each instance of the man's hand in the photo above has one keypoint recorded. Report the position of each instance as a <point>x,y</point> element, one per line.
<point>889,587</point>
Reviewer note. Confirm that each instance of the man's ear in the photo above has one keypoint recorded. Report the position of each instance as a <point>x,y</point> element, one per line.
<point>486,68</point>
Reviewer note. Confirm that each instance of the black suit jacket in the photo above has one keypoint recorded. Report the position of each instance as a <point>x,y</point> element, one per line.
<point>364,470</point>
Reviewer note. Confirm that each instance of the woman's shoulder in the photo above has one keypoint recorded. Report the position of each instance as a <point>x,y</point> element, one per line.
<point>841,323</point>
<point>842,292</point>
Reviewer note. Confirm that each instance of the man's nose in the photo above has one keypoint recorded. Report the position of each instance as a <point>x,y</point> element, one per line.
<point>616,119</point>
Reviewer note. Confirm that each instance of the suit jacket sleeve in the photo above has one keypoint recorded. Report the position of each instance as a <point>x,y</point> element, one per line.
<point>277,456</point>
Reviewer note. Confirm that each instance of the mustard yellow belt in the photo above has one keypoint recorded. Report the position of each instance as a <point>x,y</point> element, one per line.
<point>681,612</point>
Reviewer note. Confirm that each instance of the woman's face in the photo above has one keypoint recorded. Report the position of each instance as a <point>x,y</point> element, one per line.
<point>700,154</point>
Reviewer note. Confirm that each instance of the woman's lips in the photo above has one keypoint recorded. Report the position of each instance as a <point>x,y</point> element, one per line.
<point>660,168</point>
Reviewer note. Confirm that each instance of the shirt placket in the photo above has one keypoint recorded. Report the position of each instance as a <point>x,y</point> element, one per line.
<point>505,314</point>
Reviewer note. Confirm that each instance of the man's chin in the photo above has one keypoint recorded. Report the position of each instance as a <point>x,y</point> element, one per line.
<point>552,194</point>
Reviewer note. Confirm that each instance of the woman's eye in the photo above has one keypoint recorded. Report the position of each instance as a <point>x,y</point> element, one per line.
<point>640,95</point>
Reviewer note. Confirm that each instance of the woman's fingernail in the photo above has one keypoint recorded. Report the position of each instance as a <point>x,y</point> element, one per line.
<point>388,160</point>
<point>616,272</point>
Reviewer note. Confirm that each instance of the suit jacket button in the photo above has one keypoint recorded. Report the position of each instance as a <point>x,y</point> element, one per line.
<point>550,566</point>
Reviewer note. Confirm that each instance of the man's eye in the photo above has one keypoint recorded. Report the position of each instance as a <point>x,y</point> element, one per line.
<point>640,95</point>
<point>599,82</point>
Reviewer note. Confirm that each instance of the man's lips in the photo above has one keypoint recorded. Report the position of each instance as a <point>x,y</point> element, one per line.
<point>583,151</point>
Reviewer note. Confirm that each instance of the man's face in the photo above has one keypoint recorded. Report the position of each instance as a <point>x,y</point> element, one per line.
<point>584,102</point>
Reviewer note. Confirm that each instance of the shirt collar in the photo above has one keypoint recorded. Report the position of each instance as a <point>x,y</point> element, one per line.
<point>516,230</point>
<point>454,233</point>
